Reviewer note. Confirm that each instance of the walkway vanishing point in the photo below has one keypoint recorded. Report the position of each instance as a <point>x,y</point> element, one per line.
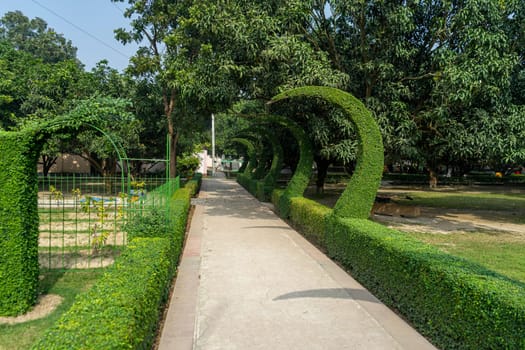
<point>248,281</point>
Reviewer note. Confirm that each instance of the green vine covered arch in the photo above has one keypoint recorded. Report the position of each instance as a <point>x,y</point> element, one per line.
<point>19,222</point>
<point>359,195</point>
<point>252,161</point>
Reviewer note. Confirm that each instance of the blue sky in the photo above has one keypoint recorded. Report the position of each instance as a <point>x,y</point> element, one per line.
<point>95,18</point>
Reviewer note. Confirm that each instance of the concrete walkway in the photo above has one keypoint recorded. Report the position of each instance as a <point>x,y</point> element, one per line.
<point>249,281</point>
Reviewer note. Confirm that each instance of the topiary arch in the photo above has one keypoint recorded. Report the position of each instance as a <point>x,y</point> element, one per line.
<point>19,153</point>
<point>359,195</point>
<point>252,161</point>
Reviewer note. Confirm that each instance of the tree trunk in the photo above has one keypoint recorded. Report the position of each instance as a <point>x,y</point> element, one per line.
<point>173,154</point>
<point>433,179</point>
<point>47,163</point>
<point>322,170</point>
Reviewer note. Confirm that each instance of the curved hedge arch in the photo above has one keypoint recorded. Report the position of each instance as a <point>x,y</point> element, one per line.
<point>252,161</point>
<point>277,161</point>
<point>359,195</point>
<point>19,228</point>
<point>301,177</point>
<point>270,178</point>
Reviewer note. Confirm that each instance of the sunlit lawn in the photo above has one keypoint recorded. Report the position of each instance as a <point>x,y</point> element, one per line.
<point>508,204</point>
<point>67,284</point>
<point>502,253</point>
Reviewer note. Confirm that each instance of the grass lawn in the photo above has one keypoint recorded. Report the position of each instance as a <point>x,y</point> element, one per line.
<point>67,284</point>
<point>502,253</point>
<point>501,202</point>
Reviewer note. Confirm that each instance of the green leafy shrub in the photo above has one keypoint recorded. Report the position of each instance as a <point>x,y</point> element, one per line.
<point>309,218</point>
<point>187,164</point>
<point>149,223</point>
<point>455,303</point>
<point>19,268</point>
<point>122,309</point>
<point>276,197</point>
<point>194,184</point>
<point>252,161</point>
<point>263,191</point>
<point>248,183</point>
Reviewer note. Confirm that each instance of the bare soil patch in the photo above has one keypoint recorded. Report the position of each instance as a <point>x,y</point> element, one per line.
<point>439,220</point>
<point>46,304</point>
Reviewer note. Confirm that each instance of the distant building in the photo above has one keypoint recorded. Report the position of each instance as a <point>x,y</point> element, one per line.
<point>67,164</point>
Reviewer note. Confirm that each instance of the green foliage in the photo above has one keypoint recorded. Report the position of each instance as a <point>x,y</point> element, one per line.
<point>269,181</point>
<point>358,198</point>
<point>457,304</point>
<point>300,179</point>
<point>33,36</point>
<point>252,160</point>
<point>148,223</point>
<point>122,309</point>
<point>441,76</point>
<point>187,164</point>
<point>250,184</point>
<point>194,185</point>
<point>309,217</point>
<point>18,223</point>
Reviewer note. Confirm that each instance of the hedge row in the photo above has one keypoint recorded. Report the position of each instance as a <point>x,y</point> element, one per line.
<point>122,309</point>
<point>456,304</point>
<point>19,268</point>
<point>248,183</point>
<point>401,178</point>
<point>309,218</point>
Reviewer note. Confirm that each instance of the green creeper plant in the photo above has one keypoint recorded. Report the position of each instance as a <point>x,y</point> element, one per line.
<point>19,152</point>
<point>19,268</point>
<point>252,161</point>
<point>359,195</point>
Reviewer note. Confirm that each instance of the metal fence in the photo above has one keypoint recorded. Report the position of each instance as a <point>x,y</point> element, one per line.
<point>82,218</point>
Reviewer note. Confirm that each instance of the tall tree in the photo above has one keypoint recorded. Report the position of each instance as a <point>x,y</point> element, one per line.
<point>439,75</point>
<point>35,37</point>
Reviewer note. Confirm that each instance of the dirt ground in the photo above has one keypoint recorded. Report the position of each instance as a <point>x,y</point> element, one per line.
<point>439,220</point>
<point>45,305</point>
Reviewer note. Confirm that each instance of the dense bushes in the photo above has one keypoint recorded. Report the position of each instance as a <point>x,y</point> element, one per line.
<point>453,302</point>
<point>19,268</point>
<point>457,304</point>
<point>121,311</point>
<point>309,217</point>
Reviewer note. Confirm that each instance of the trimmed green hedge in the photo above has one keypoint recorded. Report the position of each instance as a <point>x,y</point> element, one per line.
<point>122,310</point>
<point>248,183</point>
<point>19,268</point>
<point>358,197</point>
<point>455,303</point>
<point>309,218</point>
<point>252,161</point>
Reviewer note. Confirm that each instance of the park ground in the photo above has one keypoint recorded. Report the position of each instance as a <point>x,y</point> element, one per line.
<point>484,224</point>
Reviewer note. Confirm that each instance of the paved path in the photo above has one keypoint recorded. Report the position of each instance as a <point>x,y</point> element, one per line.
<point>249,281</point>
